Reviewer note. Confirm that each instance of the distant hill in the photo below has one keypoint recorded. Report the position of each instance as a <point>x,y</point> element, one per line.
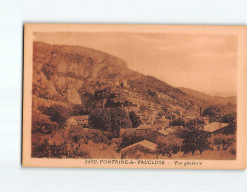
<point>69,75</point>
<point>206,97</point>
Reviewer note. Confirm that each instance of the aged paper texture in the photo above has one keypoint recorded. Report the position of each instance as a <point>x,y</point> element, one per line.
<point>134,96</point>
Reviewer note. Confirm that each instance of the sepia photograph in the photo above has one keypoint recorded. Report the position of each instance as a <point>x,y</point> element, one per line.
<point>133,96</point>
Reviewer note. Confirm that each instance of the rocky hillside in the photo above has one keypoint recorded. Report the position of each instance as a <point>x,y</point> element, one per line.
<point>70,75</point>
<point>61,71</point>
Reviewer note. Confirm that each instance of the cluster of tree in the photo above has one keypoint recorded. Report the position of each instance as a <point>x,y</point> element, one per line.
<point>193,140</point>
<point>178,122</point>
<point>135,120</point>
<point>46,150</point>
<point>56,113</point>
<point>112,119</point>
<point>219,114</point>
<point>223,142</point>
<point>41,123</point>
<point>229,118</point>
<point>79,135</point>
<point>111,104</point>
<point>101,93</point>
<point>79,110</point>
<point>168,149</point>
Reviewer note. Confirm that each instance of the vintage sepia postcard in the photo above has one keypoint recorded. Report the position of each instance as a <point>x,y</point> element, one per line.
<point>134,96</point>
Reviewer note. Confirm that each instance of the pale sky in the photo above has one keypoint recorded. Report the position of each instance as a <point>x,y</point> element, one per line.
<point>202,62</point>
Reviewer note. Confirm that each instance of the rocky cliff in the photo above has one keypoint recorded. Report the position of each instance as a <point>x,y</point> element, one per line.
<point>61,71</point>
<point>70,75</point>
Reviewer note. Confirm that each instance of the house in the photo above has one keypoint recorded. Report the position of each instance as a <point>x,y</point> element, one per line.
<point>215,127</point>
<point>163,121</point>
<point>171,129</point>
<point>163,132</point>
<point>78,120</point>
<point>144,129</point>
<point>189,118</point>
<point>127,131</point>
<point>143,149</point>
<point>167,131</point>
<point>147,120</point>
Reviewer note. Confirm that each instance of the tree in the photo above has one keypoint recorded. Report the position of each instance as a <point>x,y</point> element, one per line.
<point>193,140</point>
<point>111,104</point>
<point>135,120</point>
<point>178,122</point>
<point>78,134</point>
<point>224,142</point>
<point>57,113</point>
<point>119,119</point>
<point>46,150</point>
<point>41,123</point>
<point>109,119</point>
<point>229,118</point>
<point>167,149</point>
<point>78,110</point>
<point>129,140</point>
<point>100,118</point>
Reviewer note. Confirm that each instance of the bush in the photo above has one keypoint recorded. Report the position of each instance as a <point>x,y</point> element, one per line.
<point>135,120</point>
<point>178,122</point>
<point>129,140</point>
<point>78,134</point>
<point>109,119</point>
<point>46,150</point>
<point>56,113</point>
<point>168,149</point>
<point>41,123</point>
<point>193,140</point>
<point>223,142</point>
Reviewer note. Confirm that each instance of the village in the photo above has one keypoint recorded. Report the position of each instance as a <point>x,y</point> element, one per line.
<point>154,118</point>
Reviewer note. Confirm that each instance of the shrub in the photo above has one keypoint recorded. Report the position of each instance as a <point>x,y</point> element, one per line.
<point>46,150</point>
<point>193,140</point>
<point>56,113</point>
<point>223,141</point>
<point>41,123</point>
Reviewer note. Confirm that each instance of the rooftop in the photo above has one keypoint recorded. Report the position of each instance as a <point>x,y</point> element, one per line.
<point>214,126</point>
<point>164,132</point>
<point>144,143</point>
<point>145,127</point>
<point>81,117</point>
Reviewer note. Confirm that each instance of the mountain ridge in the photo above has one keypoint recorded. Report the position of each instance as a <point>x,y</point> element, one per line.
<point>207,97</point>
<point>70,75</point>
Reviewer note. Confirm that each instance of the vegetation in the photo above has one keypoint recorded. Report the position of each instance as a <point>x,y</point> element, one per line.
<point>135,120</point>
<point>46,150</point>
<point>194,140</point>
<point>129,140</point>
<point>41,123</point>
<point>109,119</point>
<point>56,113</point>
<point>178,122</point>
<point>103,101</point>
<point>223,142</point>
<point>168,149</point>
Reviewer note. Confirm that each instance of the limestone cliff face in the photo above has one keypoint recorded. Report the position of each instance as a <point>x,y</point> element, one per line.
<point>73,96</point>
<point>68,75</point>
<point>61,71</point>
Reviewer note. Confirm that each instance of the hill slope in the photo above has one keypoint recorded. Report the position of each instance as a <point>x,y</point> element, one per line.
<point>70,75</point>
<point>206,97</point>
